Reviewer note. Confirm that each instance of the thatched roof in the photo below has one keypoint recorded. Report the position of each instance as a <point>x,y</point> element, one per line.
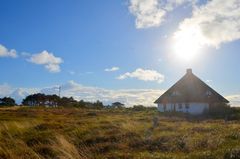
<point>190,89</point>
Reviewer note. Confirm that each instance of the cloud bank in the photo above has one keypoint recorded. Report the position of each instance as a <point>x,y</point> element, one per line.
<point>216,22</point>
<point>129,97</point>
<point>5,89</point>
<point>234,100</point>
<point>211,24</point>
<point>144,75</point>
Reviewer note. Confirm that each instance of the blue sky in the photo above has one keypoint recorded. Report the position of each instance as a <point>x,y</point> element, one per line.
<point>77,43</point>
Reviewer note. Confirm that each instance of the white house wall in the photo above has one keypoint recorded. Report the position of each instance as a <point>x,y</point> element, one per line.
<point>194,108</point>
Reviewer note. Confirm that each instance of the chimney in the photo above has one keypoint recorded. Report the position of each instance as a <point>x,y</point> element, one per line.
<point>189,71</point>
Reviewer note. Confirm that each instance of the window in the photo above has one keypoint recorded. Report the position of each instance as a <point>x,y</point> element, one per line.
<point>187,105</point>
<point>175,93</point>
<point>174,107</point>
<point>179,105</point>
<point>164,106</point>
<point>208,93</point>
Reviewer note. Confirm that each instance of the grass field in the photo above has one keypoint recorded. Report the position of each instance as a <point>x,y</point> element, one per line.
<point>87,133</point>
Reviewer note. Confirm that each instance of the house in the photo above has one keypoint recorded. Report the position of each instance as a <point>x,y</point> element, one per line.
<point>190,95</point>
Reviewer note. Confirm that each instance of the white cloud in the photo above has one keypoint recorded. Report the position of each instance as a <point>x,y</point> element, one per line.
<point>17,93</point>
<point>111,69</point>
<point>50,61</point>
<point>234,100</point>
<point>216,22</point>
<point>144,75</point>
<point>151,13</point>
<point>148,13</point>
<point>5,90</point>
<point>129,97</point>
<point>211,24</point>
<point>169,5</point>
<point>4,52</point>
<point>53,68</point>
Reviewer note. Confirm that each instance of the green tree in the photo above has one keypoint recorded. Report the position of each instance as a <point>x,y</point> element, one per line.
<point>81,103</point>
<point>98,104</point>
<point>7,101</point>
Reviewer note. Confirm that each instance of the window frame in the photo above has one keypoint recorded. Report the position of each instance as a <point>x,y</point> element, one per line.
<point>187,105</point>
<point>180,106</point>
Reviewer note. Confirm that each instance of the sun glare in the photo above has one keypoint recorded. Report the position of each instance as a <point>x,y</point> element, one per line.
<point>186,43</point>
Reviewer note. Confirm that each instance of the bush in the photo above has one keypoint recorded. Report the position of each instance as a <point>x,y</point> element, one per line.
<point>220,110</point>
<point>143,108</point>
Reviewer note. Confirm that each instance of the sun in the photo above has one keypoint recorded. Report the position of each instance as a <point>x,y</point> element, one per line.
<point>186,43</point>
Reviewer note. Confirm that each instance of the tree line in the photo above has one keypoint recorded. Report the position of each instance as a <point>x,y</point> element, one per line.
<point>40,99</point>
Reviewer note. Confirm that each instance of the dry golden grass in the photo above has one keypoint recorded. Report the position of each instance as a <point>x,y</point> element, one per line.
<point>72,133</point>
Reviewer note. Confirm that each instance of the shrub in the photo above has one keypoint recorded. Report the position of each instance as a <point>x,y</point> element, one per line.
<point>138,108</point>
<point>219,110</point>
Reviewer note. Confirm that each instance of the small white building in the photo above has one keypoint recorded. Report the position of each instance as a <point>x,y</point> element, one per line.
<point>190,95</point>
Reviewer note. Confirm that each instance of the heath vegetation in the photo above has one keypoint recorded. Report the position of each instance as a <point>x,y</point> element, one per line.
<point>81,133</point>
